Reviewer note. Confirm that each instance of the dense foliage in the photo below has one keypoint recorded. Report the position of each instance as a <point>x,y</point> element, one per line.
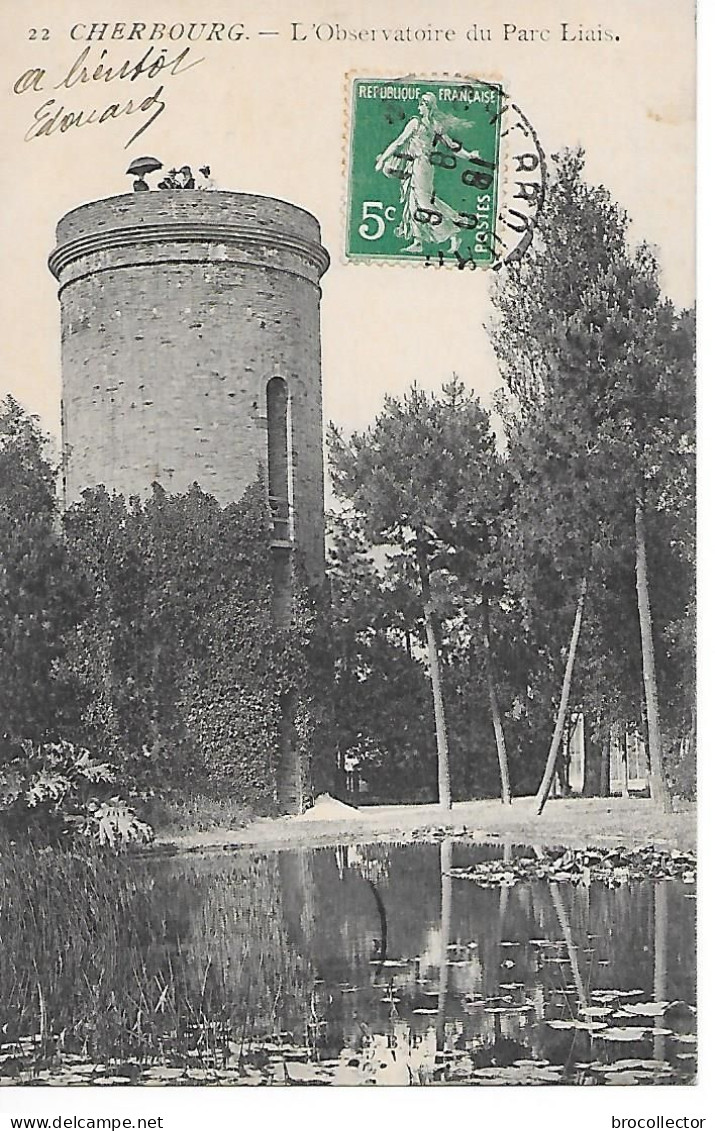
<point>142,631</point>
<point>600,419</point>
<point>37,593</point>
<point>57,793</point>
<point>176,667</point>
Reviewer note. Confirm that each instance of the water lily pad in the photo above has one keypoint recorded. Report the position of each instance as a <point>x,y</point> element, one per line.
<point>647,1008</point>
<point>630,1033</point>
<point>526,1074</point>
<point>590,1025</point>
<point>472,1006</point>
<point>632,1063</point>
<point>158,1071</point>
<point>309,1072</point>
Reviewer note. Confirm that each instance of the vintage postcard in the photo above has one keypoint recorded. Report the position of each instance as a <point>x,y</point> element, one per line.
<point>347,552</point>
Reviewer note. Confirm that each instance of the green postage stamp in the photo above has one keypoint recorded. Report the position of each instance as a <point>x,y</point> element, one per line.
<point>423,174</point>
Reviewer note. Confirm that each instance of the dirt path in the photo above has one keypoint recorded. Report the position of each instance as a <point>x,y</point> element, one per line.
<point>578,822</point>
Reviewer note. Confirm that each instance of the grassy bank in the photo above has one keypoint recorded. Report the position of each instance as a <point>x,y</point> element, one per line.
<point>571,822</point>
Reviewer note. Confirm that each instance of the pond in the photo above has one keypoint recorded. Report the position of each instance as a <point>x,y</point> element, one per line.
<point>351,965</point>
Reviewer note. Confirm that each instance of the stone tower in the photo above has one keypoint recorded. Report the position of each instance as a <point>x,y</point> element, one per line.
<point>191,353</point>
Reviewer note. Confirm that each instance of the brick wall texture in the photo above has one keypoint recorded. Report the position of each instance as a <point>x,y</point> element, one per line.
<point>177,308</point>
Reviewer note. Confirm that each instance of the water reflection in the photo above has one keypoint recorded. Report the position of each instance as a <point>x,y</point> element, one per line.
<point>376,965</point>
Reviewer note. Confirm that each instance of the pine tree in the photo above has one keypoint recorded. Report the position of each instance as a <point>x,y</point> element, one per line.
<point>589,349</point>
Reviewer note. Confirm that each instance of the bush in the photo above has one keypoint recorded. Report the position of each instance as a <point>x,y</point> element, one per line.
<point>55,791</point>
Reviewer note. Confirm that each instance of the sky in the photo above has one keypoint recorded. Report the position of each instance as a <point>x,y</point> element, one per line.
<point>269,114</point>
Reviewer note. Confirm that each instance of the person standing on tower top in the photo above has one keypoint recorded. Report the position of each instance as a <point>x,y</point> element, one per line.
<point>205,180</point>
<point>169,181</point>
<point>140,168</point>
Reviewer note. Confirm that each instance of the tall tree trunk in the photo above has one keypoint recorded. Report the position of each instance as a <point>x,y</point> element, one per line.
<point>658,789</point>
<point>494,707</point>
<point>445,933</point>
<point>571,947</point>
<point>622,742</point>
<point>440,726</point>
<point>549,769</point>
<point>660,956</point>
<point>606,764</point>
<point>507,857</point>
<point>592,757</point>
<point>566,931</point>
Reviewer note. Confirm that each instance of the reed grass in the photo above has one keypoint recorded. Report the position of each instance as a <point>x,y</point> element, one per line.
<point>129,957</point>
<point>196,813</point>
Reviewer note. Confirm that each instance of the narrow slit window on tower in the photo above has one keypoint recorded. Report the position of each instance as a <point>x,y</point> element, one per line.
<point>279,471</point>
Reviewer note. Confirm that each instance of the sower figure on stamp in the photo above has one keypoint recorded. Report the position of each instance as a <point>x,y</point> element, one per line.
<point>425,218</point>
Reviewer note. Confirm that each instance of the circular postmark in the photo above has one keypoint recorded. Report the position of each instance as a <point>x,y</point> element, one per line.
<point>442,172</point>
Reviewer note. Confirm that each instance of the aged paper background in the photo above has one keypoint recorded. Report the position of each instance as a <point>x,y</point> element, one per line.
<point>268,113</point>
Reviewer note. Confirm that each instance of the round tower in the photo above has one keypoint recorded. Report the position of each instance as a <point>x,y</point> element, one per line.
<point>191,351</point>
